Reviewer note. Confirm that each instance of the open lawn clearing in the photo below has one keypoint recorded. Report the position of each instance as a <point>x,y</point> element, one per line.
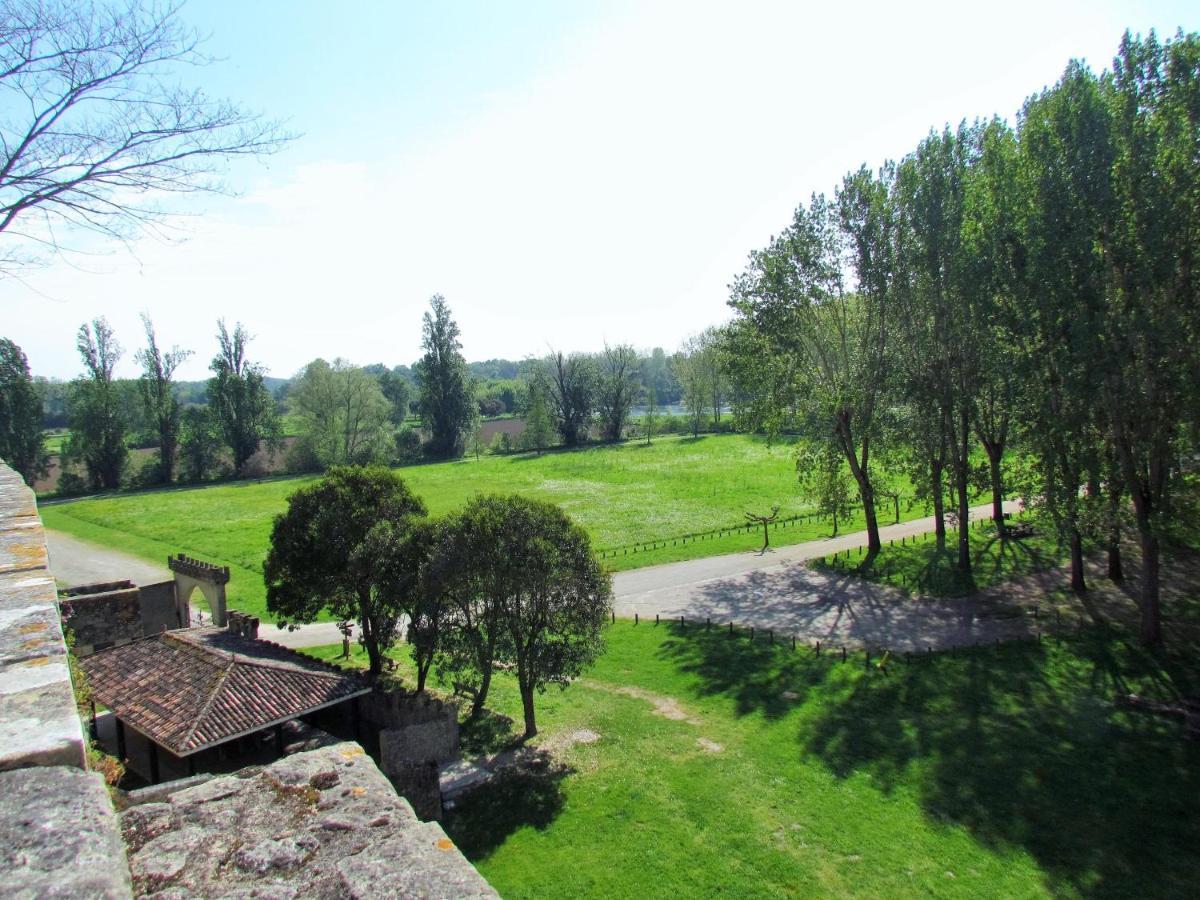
<point>622,495</point>
<point>991,773</point>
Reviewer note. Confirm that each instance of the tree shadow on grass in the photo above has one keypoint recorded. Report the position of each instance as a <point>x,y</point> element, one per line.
<point>525,793</point>
<point>1021,746</point>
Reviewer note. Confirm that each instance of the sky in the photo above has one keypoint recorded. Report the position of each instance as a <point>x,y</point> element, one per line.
<point>565,174</point>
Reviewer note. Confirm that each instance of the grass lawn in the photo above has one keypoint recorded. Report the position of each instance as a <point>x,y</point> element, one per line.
<point>998,773</point>
<point>918,565</point>
<point>622,495</point>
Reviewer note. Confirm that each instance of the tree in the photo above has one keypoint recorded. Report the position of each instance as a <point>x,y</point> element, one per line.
<point>99,126</point>
<point>330,550</point>
<point>538,431</point>
<point>616,389</point>
<point>528,590</point>
<point>346,420</point>
<point>793,295</point>
<point>447,396</point>
<point>158,397</point>
<point>398,392</point>
<point>240,402</point>
<point>571,388</point>
<point>1152,252</point>
<point>691,372</point>
<point>20,415</point>
<point>823,482</point>
<point>97,425</point>
<point>651,414</point>
<point>200,444</point>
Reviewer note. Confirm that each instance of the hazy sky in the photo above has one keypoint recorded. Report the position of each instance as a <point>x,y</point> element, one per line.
<point>564,173</point>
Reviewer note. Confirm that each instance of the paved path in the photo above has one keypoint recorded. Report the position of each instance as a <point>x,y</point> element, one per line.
<point>777,591</point>
<point>772,590</point>
<point>74,562</point>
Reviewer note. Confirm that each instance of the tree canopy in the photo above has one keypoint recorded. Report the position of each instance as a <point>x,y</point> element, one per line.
<point>333,549</point>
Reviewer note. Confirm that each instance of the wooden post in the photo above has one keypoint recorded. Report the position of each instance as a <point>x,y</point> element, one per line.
<point>635,618</point>
<point>708,623</point>
<point>681,621</point>
<point>614,617</point>
<point>793,642</point>
<point>843,654</point>
<point>752,634</point>
<point>656,618</point>
<point>818,649</point>
<point>771,635</point>
<point>731,629</point>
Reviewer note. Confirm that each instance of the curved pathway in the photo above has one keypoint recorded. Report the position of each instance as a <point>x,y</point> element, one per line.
<point>772,590</point>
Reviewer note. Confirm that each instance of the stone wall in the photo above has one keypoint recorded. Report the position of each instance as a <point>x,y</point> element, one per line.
<point>39,724</point>
<point>106,615</point>
<point>325,823</point>
<point>58,831</point>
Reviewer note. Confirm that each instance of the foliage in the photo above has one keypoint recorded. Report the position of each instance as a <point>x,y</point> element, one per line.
<point>161,405</point>
<point>538,430</point>
<point>240,403</point>
<point>523,588</point>
<point>329,551</point>
<point>200,444</point>
<point>569,382</point>
<point>97,425</point>
<point>21,443</point>
<point>616,388</point>
<point>346,420</point>
<point>398,391</point>
<point>824,482</point>
<point>408,445</point>
<point>99,124</point>
<point>447,402</point>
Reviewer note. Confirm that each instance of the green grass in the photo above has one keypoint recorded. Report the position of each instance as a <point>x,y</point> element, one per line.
<point>918,565</point>
<point>995,773</point>
<point>622,495</point>
<point>54,439</point>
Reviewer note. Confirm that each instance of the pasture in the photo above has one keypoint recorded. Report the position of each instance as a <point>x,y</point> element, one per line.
<point>687,763</point>
<point>627,494</point>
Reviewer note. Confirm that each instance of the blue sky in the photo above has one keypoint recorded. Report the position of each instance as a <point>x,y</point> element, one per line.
<point>564,173</point>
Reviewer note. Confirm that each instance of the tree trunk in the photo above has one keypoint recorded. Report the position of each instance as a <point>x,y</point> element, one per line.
<point>485,683</point>
<point>834,524</point>
<point>423,673</point>
<point>964,510</point>
<point>1151,625</point>
<point>995,453</point>
<point>1077,583</point>
<point>527,704</point>
<point>939,502</point>
<point>896,499</point>
<point>1116,572</point>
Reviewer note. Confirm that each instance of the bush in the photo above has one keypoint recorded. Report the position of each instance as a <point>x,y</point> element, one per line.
<point>408,445</point>
<point>501,443</point>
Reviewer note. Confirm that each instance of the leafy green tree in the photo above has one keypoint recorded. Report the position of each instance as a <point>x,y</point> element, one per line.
<point>651,414</point>
<point>793,295</point>
<point>159,402</point>
<point>538,430</point>
<point>823,482</point>
<point>345,417</point>
<point>447,397</point>
<point>240,402</point>
<point>526,585</point>
<point>20,415</point>
<point>571,388</point>
<point>691,371</point>
<point>200,444</point>
<point>616,388</point>
<point>97,425</point>
<point>331,550</point>
<point>398,392</point>
<point>1153,254</point>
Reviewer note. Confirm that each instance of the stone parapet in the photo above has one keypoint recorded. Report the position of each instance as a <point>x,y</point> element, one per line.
<point>39,724</point>
<point>59,836</point>
<point>324,823</point>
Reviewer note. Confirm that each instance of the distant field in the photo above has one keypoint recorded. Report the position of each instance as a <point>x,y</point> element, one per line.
<point>622,495</point>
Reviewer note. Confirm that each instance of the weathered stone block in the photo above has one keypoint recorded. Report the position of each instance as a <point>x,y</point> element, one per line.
<point>59,836</point>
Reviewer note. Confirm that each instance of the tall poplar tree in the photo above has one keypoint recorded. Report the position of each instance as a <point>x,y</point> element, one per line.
<point>447,398</point>
<point>20,415</point>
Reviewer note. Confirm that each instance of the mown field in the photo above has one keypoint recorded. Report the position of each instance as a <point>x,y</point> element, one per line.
<point>622,495</point>
<point>995,773</point>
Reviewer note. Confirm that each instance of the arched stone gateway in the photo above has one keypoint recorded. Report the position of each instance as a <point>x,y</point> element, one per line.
<point>210,579</point>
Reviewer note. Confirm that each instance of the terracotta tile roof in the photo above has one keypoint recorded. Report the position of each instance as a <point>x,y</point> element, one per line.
<point>196,688</point>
